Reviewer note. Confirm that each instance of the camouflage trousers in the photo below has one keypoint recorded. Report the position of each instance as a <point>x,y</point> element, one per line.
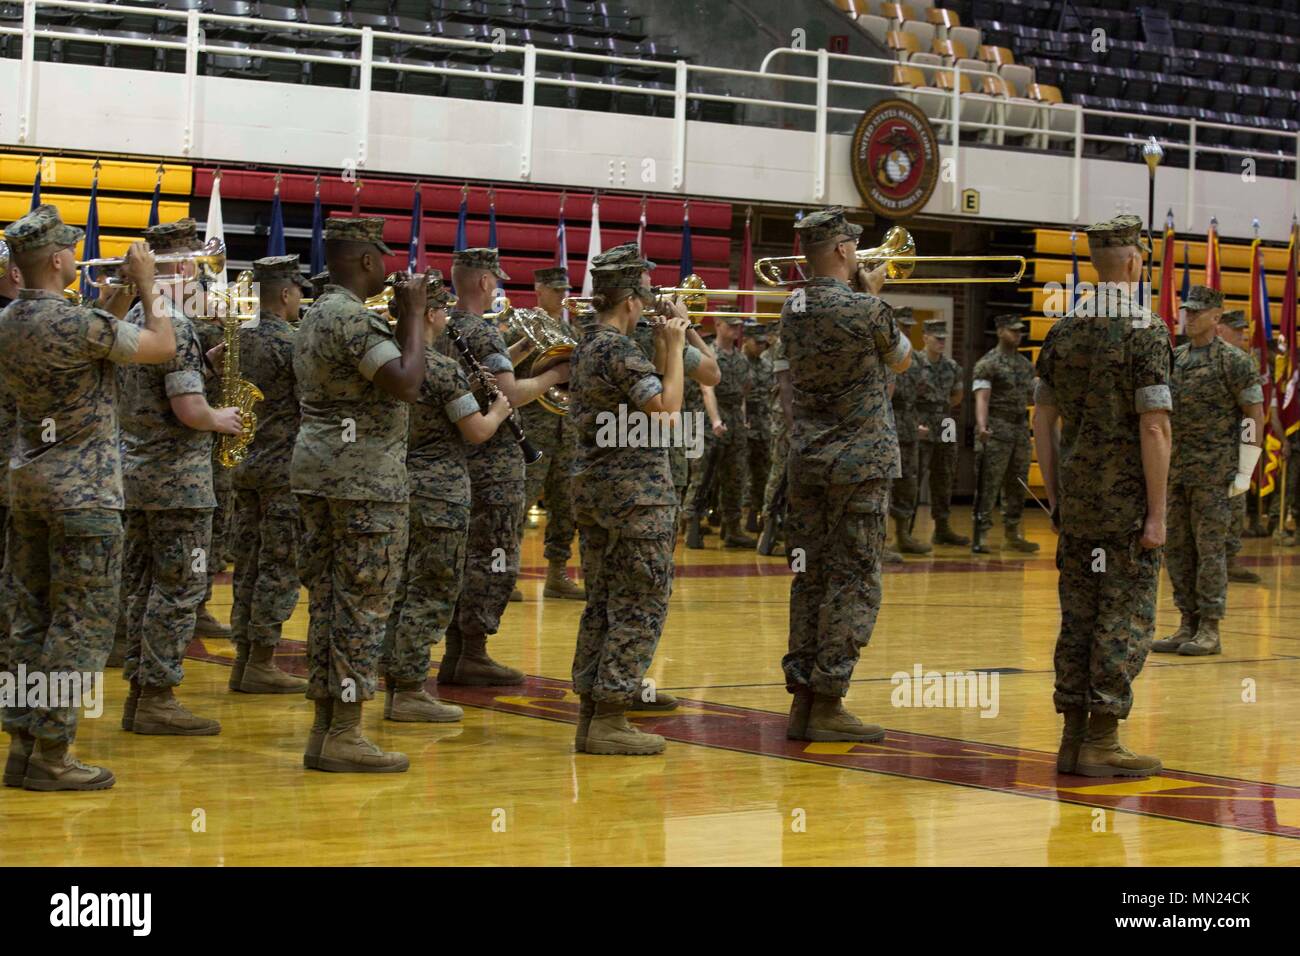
<point>491,558</point>
<point>431,578</point>
<point>1233,543</point>
<point>838,533</point>
<point>1107,591</point>
<point>758,459</point>
<point>162,584</point>
<point>560,524</point>
<point>723,466</point>
<point>1196,546</point>
<point>351,563</point>
<point>1005,465</point>
<point>778,452</point>
<point>627,567</point>
<point>65,568</point>
<point>938,459</point>
<point>6,595</point>
<point>548,479</point>
<point>903,490</point>
<point>540,427</point>
<point>267,530</point>
<point>221,551</point>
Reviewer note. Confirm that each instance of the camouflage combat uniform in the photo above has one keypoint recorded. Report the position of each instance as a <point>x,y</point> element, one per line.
<point>496,474</point>
<point>440,516</point>
<point>843,455</point>
<point>8,422</point>
<point>167,474</point>
<point>1009,377</point>
<point>907,391</point>
<point>1101,374</point>
<point>728,452</point>
<point>1210,386</point>
<point>626,508</point>
<point>758,438</point>
<point>349,472</point>
<point>937,456</point>
<point>643,334</point>
<point>64,536</point>
<point>779,451</point>
<point>267,527</point>
<point>210,336</point>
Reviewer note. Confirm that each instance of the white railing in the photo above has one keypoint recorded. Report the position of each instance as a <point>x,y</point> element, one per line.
<point>944,107</point>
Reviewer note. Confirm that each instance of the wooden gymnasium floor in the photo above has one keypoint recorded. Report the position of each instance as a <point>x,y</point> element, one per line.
<point>946,787</point>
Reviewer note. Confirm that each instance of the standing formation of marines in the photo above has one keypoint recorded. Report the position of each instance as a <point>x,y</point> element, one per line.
<point>382,481</point>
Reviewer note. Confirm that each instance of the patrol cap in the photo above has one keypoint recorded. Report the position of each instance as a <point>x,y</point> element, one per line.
<point>279,269</point>
<point>613,278</point>
<point>1123,230</point>
<point>480,258</point>
<point>357,229</point>
<point>903,315</point>
<point>556,277</point>
<point>439,294</point>
<point>729,315</point>
<point>826,224</point>
<point>179,236</point>
<point>626,254</point>
<point>4,254</point>
<point>41,227</point>
<point>936,327</point>
<point>756,330</point>
<point>320,280</point>
<point>1202,297</point>
<point>1236,319</point>
<point>1010,321</point>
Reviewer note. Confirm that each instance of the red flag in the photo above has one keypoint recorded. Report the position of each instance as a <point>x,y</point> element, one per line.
<point>746,303</point>
<point>1212,278</point>
<point>1168,305</point>
<point>640,230</point>
<point>1260,346</point>
<point>1288,399</point>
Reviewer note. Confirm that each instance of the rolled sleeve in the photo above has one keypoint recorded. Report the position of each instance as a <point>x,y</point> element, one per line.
<point>1044,395</point>
<point>498,362</point>
<point>185,382</point>
<point>126,342</point>
<point>646,389</point>
<point>981,385</point>
<point>691,359</point>
<point>902,348</point>
<point>376,357</point>
<point>1251,395</point>
<point>461,407</point>
<point>1153,398</point>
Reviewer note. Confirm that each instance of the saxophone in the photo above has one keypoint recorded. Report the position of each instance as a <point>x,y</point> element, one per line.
<point>236,391</point>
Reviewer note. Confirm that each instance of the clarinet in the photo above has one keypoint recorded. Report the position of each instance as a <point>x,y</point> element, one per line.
<point>530,453</point>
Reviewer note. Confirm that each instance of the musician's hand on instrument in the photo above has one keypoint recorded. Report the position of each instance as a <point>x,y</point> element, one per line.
<point>116,299</point>
<point>675,308</point>
<point>674,328</point>
<point>873,281</point>
<point>719,428</point>
<point>500,407</point>
<point>562,371</point>
<point>138,265</point>
<point>216,356</point>
<point>410,294</point>
<point>228,421</point>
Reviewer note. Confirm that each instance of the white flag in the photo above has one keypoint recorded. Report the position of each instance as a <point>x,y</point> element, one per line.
<point>593,245</point>
<point>215,226</point>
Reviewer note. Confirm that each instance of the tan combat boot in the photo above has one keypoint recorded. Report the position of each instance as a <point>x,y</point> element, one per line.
<point>801,702</point>
<point>409,702</point>
<point>661,701</point>
<point>476,669</point>
<point>1102,755</point>
<point>51,767</point>
<point>586,709</point>
<point>261,676</point>
<point>906,543</point>
<point>1076,728</point>
<point>610,733</point>
<point>20,751</point>
<point>346,750</point>
<point>1186,631</point>
<point>1241,575</point>
<point>1016,540</point>
<point>320,726</point>
<point>159,712</point>
<point>205,625</point>
<point>237,671</point>
<point>828,720</point>
<point>943,534</point>
<point>733,537</point>
<point>558,584</point>
<point>1206,641</point>
<point>450,658</point>
<point>129,707</point>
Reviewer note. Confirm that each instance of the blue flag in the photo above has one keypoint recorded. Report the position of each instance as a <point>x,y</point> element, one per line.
<point>492,229</point>
<point>1187,277</point>
<point>90,250</point>
<point>153,204</point>
<point>275,245</point>
<point>317,236</point>
<point>460,224</point>
<point>36,186</point>
<point>688,260</point>
<point>415,252</point>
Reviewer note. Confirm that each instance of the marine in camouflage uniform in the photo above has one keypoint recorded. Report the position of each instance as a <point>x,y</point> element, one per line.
<point>774,498</point>
<point>843,455</point>
<point>625,506</point>
<point>758,424</point>
<point>724,460</point>
<point>208,329</point>
<point>902,493</point>
<point>937,405</point>
<point>167,475</point>
<point>64,532</point>
<point>348,470</point>
<point>440,515</point>
<point>1215,389</point>
<point>1103,373</point>
<point>10,282</point>
<point>1232,329</point>
<point>267,526</point>
<point>1002,427</point>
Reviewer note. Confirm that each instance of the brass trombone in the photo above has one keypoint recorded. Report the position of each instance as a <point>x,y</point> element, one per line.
<point>898,253</point>
<point>211,258</point>
<point>695,294</point>
<point>380,301</point>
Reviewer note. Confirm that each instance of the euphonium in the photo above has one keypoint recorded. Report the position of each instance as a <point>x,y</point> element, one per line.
<point>552,343</point>
<point>238,392</point>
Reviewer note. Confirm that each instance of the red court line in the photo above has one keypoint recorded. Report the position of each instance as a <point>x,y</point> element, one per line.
<point>1179,795</point>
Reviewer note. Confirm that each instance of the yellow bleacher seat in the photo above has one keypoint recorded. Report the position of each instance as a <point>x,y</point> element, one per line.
<point>115,212</point>
<point>76,172</point>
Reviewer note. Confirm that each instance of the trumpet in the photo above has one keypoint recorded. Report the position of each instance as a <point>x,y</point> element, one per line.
<point>211,259</point>
<point>897,252</point>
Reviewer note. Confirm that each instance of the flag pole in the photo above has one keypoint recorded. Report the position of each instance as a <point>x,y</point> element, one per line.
<point>1152,154</point>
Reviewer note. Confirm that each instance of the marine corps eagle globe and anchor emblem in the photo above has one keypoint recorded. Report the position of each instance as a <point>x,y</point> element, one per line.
<point>895,159</point>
